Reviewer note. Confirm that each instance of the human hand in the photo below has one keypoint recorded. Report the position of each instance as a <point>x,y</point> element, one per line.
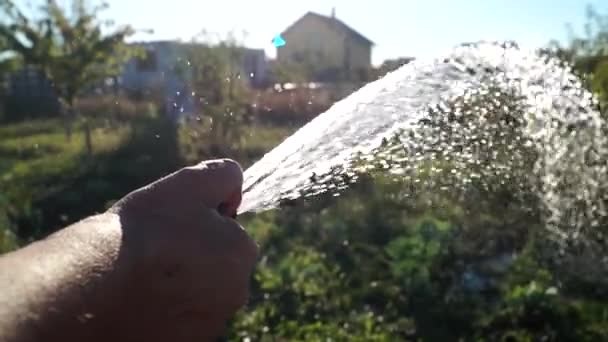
<point>188,261</point>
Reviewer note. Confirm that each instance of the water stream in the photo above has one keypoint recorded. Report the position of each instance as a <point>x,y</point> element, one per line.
<point>491,110</point>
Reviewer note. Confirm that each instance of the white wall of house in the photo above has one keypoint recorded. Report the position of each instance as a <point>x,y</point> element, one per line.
<point>310,38</point>
<point>158,78</point>
<point>319,40</point>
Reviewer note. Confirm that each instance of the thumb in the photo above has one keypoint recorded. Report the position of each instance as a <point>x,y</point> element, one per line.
<point>217,184</point>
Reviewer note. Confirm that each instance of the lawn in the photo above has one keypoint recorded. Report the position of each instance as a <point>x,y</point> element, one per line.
<point>48,181</point>
<point>40,149</point>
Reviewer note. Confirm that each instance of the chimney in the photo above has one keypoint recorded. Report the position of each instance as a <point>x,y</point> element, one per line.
<point>333,13</point>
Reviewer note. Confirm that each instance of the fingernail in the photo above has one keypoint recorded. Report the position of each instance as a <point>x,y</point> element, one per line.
<point>217,163</point>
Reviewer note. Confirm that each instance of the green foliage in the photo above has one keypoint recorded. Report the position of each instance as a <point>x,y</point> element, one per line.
<point>531,312</point>
<point>412,256</point>
<point>589,53</point>
<point>390,65</point>
<point>8,240</point>
<point>377,264</point>
<point>213,73</point>
<point>599,83</point>
<point>432,254</point>
<point>47,183</point>
<point>73,51</point>
<point>8,64</point>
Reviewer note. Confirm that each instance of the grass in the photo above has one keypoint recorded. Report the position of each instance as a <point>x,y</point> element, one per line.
<point>43,143</point>
<point>48,181</point>
<point>38,163</point>
<point>264,137</point>
<point>40,149</point>
<point>245,144</point>
<point>29,128</point>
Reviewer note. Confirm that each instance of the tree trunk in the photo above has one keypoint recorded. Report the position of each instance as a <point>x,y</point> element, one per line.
<point>87,137</point>
<point>67,116</point>
<point>86,127</point>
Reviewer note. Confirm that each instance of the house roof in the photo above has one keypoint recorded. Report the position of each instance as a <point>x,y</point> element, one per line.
<point>335,23</point>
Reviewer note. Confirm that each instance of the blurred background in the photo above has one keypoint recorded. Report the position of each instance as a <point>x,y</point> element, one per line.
<point>97,99</point>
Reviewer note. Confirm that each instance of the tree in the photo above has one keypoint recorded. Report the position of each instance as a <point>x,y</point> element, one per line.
<point>589,53</point>
<point>213,72</point>
<point>8,63</point>
<point>392,65</point>
<point>74,51</point>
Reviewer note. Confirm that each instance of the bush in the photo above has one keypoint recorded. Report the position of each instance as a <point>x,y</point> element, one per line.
<point>384,263</point>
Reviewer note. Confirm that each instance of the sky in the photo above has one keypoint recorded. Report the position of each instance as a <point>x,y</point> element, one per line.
<point>419,28</point>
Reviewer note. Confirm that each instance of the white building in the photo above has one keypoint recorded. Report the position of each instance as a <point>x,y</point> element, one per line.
<point>156,73</point>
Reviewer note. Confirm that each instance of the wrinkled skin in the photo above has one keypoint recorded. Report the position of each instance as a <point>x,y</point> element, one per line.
<point>163,264</point>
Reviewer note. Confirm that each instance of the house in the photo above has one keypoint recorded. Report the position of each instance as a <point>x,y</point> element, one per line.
<point>153,77</point>
<point>156,75</point>
<point>327,44</point>
<point>27,93</point>
<point>255,66</point>
<point>162,56</point>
